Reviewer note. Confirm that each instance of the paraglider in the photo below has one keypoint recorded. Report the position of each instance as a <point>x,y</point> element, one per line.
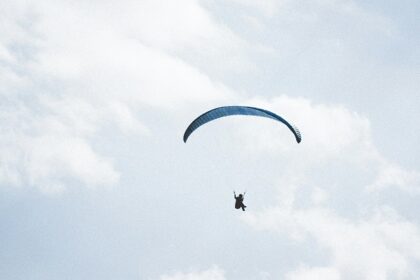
<point>226,111</point>
<point>239,201</point>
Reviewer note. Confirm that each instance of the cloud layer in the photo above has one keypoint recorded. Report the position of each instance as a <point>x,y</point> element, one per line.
<point>76,78</point>
<point>67,76</point>
<point>365,238</point>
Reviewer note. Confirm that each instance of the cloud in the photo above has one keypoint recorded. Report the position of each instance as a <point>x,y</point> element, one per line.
<point>46,149</point>
<point>318,11</point>
<point>309,273</point>
<point>326,188</point>
<point>214,273</point>
<point>393,175</point>
<point>373,248</point>
<point>71,74</point>
<point>327,130</point>
<point>67,76</point>
<point>332,135</point>
<point>267,7</point>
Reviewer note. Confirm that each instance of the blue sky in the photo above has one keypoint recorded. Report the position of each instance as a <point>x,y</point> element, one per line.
<point>96,182</point>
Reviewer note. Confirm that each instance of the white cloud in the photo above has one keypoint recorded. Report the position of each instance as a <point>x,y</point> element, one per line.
<point>319,196</point>
<point>366,242</point>
<point>374,248</point>
<point>312,273</point>
<point>316,11</point>
<point>46,149</point>
<point>66,75</point>
<point>393,175</point>
<point>214,273</point>
<point>267,7</point>
<point>330,133</point>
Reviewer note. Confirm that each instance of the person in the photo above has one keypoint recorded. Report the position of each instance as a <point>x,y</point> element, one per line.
<point>239,201</point>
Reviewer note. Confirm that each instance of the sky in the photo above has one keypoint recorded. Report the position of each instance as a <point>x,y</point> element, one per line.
<point>96,182</point>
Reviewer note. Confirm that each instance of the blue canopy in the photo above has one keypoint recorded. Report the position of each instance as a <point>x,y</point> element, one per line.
<point>237,110</point>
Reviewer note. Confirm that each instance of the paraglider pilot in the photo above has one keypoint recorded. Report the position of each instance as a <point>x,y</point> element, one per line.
<point>239,201</point>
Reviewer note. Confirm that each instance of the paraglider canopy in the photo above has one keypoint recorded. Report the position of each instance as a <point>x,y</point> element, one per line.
<point>237,110</point>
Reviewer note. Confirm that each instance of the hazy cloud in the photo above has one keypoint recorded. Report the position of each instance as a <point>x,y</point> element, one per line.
<point>66,76</point>
<point>214,273</point>
<point>372,244</point>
